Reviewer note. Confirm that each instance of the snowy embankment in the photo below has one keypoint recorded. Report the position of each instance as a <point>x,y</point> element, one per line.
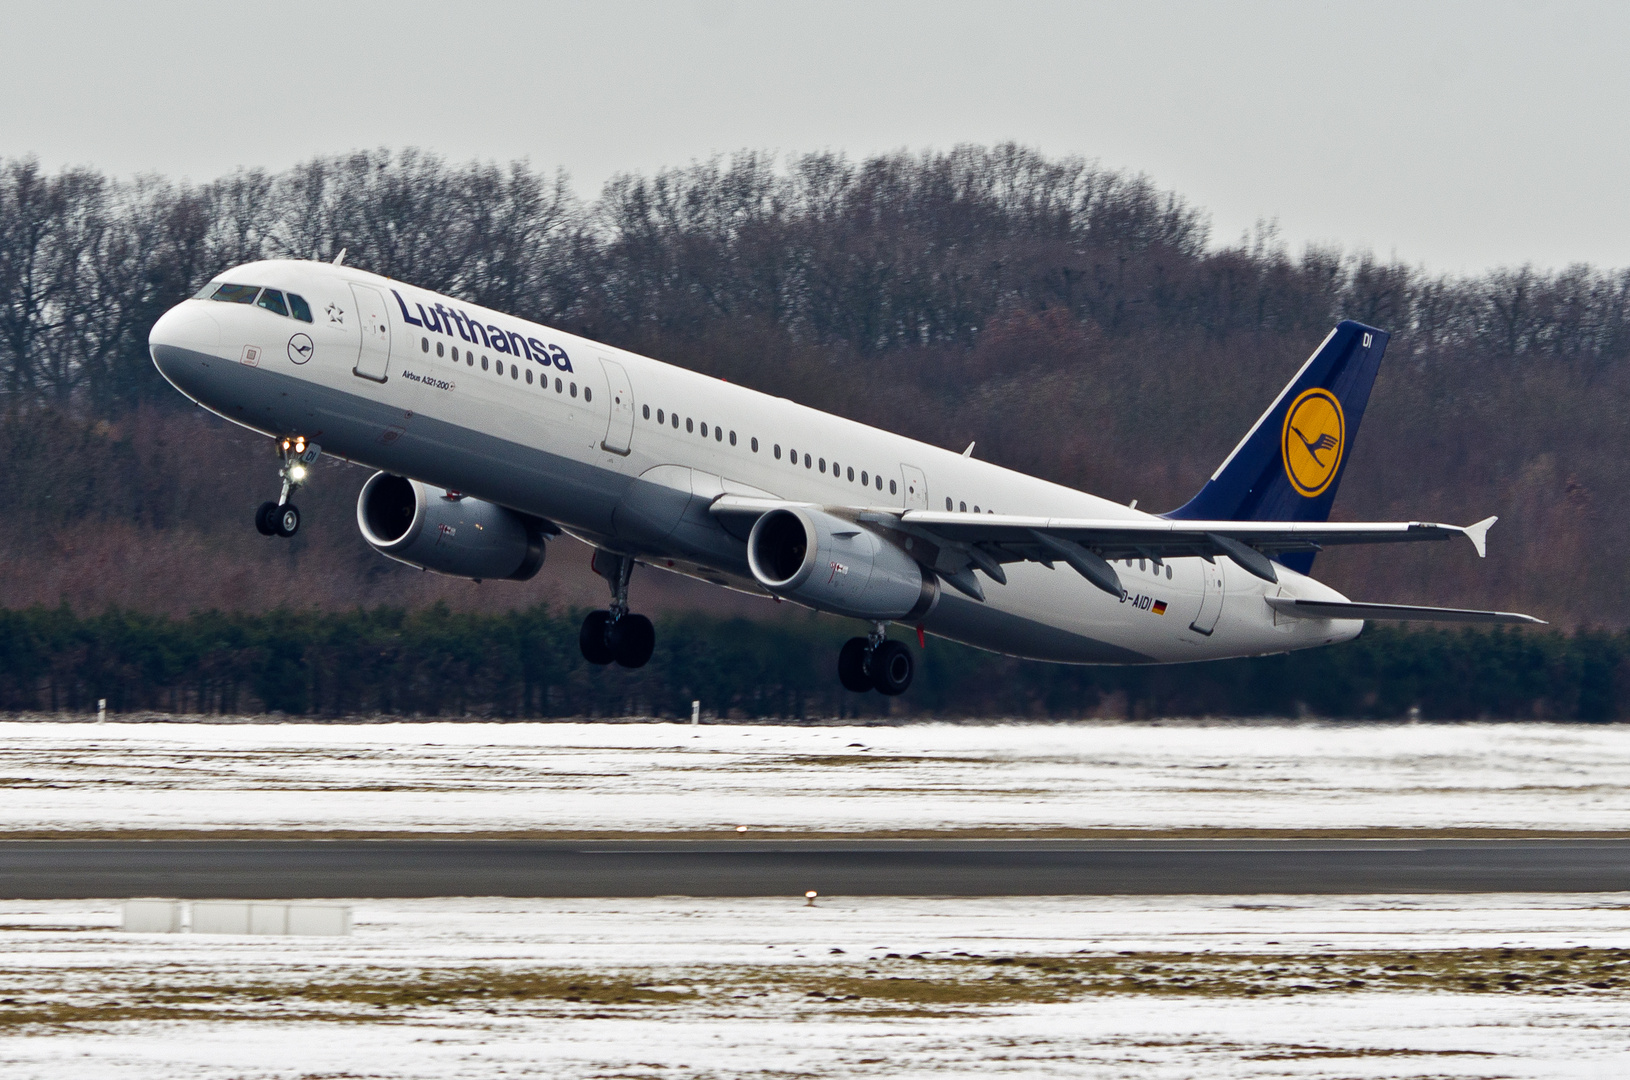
<point>870,987</point>
<point>643,778</point>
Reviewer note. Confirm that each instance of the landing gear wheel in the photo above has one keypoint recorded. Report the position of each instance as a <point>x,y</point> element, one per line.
<point>286,519</point>
<point>265,523</point>
<point>631,640</point>
<point>852,665</point>
<point>892,668</point>
<point>592,638</point>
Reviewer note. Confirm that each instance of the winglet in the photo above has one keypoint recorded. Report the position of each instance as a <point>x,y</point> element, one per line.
<point>1478,535</point>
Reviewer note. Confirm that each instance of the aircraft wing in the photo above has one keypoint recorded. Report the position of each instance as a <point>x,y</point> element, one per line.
<point>962,542</point>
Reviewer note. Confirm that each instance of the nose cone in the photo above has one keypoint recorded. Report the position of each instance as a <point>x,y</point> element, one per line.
<point>184,336</point>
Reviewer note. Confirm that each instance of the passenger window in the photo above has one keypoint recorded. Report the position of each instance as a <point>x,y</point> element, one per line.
<point>299,308</point>
<point>865,481</point>
<point>690,425</point>
<point>559,386</point>
<point>424,344</point>
<point>236,294</point>
<point>755,446</point>
<point>515,372</point>
<point>892,490</point>
<point>661,418</point>
<point>469,358</point>
<point>675,419</point>
<point>718,434</point>
<point>572,389</point>
<point>272,301</point>
<point>588,393</point>
<point>529,376</point>
<point>646,412</point>
<point>806,461</point>
<point>851,474</point>
<point>976,508</point>
<point>962,508</point>
<point>704,431</point>
<point>823,464</point>
<point>880,482</point>
<point>732,438</point>
<point>948,502</point>
<point>792,455</point>
<point>483,363</point>
<point>778,451</point>
<point>1168,571</point>
<point>498,367</point>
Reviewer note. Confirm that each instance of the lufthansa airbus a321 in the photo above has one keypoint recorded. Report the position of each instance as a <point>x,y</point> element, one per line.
<point>493,435</point>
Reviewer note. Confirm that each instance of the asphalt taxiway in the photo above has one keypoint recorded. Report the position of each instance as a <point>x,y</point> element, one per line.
<point>305,868</point>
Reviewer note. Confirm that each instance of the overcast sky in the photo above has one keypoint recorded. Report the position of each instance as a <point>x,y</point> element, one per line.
<point>1458,135</point>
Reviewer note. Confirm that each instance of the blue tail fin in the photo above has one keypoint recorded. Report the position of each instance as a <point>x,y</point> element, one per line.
<point>1287,468</point>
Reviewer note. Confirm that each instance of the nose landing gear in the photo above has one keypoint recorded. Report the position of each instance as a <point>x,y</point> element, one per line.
<point>616,634</point>
<point>282,518</point>
<point>874,663</point>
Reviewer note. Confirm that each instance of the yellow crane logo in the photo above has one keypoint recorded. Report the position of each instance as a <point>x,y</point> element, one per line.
<point>1314,437</point>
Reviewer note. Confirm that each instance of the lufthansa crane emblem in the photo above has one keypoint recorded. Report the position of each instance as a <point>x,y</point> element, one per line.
<point>300,348</point>
<point>1313,440</point>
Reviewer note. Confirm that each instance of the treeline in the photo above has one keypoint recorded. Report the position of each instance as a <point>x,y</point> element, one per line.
<point>521,664</point>
<point>868,257</point>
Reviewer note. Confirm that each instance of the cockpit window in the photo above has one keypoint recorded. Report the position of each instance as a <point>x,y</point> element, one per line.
<point>299,308</point>
<point>206,291</point>
<point>272,300</point>
<point>236,294</point>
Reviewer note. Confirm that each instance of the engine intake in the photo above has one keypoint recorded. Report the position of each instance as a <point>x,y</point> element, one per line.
<point>433,529</point>
<point>835,565</point>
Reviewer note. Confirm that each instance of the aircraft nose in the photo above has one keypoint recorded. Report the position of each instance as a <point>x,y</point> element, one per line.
<point>181,336</point>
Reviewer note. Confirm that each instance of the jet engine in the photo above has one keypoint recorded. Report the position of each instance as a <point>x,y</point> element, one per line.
<point>439,530</point>
<point>838,566</point>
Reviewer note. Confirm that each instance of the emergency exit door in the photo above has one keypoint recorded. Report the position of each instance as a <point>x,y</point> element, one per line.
<point>916,487</point>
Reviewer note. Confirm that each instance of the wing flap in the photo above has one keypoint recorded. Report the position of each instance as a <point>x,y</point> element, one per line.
<point>1330,609</point>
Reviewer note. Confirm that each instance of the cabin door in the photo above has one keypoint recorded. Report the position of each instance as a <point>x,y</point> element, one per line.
<point>620,424</point>
<point>1211,597</point>
<point>374,357</point>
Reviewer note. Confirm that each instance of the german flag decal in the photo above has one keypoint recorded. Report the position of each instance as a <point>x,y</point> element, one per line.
<point>1159,608</point>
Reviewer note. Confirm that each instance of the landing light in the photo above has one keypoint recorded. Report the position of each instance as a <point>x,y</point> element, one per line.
<point>297,473</point>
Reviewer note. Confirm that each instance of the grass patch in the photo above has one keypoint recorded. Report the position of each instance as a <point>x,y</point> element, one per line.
<point>916,985</point>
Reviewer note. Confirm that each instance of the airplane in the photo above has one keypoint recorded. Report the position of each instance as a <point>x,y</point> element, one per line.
<point>493,435</point>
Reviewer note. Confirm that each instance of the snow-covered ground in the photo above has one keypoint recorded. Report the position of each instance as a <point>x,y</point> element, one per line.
<point>754,988</point>
<point>571,777</point>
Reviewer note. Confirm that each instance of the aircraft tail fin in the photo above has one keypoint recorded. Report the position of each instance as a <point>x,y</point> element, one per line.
<point>1288,466</point>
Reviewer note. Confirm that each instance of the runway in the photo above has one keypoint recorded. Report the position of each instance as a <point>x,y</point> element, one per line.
<point>72,869</point>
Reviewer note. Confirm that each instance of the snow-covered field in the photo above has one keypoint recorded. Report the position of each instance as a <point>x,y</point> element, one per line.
<point>1052,987</point>
<point>640,778</point>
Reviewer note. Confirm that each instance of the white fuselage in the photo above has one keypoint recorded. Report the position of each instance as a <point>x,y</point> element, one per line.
<point>626,453</point>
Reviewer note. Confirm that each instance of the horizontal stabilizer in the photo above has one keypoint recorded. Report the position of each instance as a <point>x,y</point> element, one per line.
<point>1329,609</point>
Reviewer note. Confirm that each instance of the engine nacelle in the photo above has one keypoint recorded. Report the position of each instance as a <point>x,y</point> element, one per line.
<point>835,565</point>
<point>429,528</point>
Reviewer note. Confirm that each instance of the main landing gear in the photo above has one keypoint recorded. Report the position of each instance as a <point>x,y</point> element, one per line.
<point>617,634</point>
<point>875,663</point>
<point>282,518</point>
